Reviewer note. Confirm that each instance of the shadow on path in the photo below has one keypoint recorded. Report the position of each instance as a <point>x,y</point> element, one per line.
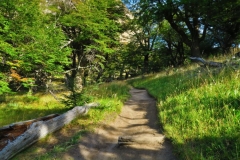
<point>138,118</point>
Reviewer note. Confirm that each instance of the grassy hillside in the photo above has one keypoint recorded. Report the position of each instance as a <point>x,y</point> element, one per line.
<point>199,111</point>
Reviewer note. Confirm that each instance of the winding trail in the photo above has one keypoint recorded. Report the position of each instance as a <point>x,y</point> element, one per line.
<point>138,118</point>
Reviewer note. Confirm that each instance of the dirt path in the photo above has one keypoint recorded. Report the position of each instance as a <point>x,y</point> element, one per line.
<point>138,118</point>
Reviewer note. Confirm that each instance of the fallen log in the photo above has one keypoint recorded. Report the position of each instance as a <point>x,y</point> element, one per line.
<point>130,140</point>
<point>26,124</point>
<point>10,132</point>
<point>40,129</point>
<point>206,63</point>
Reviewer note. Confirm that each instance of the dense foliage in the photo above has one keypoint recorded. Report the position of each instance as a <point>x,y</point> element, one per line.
<point>185,28</point>
<point>30,44</point>
<point>80,42</point>
<point>41,40</point>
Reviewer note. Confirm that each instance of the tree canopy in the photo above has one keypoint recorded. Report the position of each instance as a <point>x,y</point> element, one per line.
<point>81,39</point>
<point>30,43</point>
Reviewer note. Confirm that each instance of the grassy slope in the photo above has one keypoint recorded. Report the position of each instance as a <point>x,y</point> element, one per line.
<point>200,113</point>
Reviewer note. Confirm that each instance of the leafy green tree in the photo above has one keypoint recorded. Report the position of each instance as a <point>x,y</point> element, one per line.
<point>171,45</point>
<point>146,31</point>
<point>6,49</point>
<point>188,13</point>
<point>224,21</point>
<point>93,28</point>
<point>193,20</point>
<point>30,43</point>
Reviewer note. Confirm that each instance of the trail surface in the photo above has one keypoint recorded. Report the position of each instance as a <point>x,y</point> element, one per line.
<point>138,118</point>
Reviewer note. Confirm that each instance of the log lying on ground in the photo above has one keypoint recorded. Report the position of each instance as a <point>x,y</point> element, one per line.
<point>40,129</point>
<point>130,140</point>
<point>206,63</point>
<point>11,132</point>
<point>26,124</point>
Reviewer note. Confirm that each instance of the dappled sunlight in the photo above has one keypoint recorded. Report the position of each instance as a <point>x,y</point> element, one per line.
<point>58,142</point>
<point>136,119</point>
<point>43,131</point>
<point>37,130</point>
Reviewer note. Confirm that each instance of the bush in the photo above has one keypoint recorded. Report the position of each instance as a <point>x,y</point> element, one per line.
<point>76,99</point>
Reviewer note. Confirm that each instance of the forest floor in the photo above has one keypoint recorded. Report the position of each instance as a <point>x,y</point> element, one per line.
<point>138,118</point>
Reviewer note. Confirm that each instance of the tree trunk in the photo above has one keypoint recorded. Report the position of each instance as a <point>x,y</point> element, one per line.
<point>130,140</point>
<point>2,98</point>
<point>145,63</point>
<point>78,83</point>
<point>40,129</point>
<point>195,49</point>
<point>180,50</point>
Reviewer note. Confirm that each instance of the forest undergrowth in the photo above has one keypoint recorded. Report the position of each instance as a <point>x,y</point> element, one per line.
<point>21,107</point>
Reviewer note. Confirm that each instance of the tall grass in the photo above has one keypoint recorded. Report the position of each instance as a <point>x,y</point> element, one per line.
<point>200,113</point>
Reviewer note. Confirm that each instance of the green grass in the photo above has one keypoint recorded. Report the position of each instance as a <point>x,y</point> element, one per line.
<point>20,107</point>
<point>110,96</point>
<point>200,113</point>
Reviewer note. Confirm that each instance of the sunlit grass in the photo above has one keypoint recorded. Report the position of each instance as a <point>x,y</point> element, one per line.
<point>110,96</point>
<point>20,107</point>
<point>200,113</point>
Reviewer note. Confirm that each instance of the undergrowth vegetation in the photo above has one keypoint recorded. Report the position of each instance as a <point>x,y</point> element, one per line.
<point>200,112</point>
<point>20,107</point>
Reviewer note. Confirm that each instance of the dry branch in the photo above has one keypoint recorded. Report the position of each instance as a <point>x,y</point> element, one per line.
<point>40,129</point>
<point>206,63</point>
